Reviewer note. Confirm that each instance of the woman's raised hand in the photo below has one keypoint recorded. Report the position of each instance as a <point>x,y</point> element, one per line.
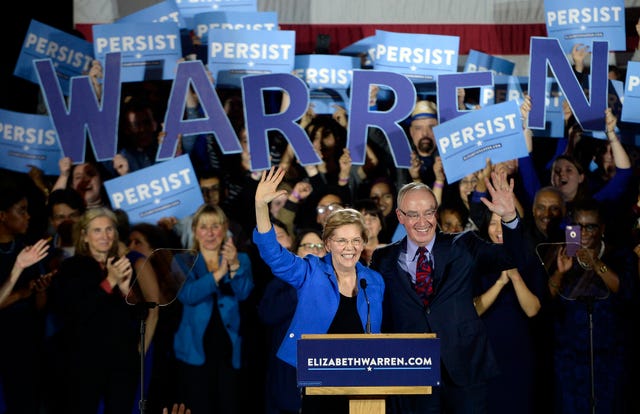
<point>267,188</point>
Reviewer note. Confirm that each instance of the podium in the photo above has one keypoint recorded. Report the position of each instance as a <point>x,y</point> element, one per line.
<point>368,367</point>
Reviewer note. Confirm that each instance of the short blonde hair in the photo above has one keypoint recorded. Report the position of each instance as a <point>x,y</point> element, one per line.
<point>207,210</point>
<point>343,217</point>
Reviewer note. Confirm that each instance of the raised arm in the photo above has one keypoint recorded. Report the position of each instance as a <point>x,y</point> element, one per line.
<point>65,165</point>
<point>28,256</point>
<point>266,191</point>
<point>579,54</point>
<point>620,156</point>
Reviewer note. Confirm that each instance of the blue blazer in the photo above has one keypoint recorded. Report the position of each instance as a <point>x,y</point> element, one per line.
<point>465,351</point>
<point>318,294</point>
<point>197,295</point>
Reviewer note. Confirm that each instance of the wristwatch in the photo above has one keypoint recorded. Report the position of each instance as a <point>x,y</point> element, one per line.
<point>603,269</point>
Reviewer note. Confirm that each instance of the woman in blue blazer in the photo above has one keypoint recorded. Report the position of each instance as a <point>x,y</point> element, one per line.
<point>329,300</point>
<point>208,342</point>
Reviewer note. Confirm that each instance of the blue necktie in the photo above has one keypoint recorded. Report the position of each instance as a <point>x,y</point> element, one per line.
<point>424,281</point>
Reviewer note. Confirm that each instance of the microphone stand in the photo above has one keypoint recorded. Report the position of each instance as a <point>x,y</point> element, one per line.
<point>363,285</point>
<point>589,301</point>
<point>142,311</point>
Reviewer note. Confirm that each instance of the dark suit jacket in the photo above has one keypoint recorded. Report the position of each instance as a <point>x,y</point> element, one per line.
<point>465,351</point>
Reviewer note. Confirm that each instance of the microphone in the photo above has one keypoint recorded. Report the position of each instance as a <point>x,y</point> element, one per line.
<point>363,285</point>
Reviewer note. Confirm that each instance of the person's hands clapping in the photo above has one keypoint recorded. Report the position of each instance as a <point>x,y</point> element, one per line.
<point>230,254</point>
<point>504,278</point>
<point>120,272</point>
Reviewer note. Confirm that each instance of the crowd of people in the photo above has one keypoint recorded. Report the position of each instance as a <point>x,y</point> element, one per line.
<point>224,293</point>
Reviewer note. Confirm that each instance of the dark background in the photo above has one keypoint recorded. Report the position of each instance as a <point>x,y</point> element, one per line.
<point>17,94</point>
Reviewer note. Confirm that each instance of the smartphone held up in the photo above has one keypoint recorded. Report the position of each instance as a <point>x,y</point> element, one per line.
<point>572,239</point>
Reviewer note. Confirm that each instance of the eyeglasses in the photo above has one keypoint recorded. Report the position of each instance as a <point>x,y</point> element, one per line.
<point>588,227</point>
<point>312,246</point>
<point>356,243</point>
<point>330,208</point>
<point>414,215</point>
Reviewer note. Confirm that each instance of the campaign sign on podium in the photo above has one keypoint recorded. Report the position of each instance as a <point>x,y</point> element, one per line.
<point>369,360</point>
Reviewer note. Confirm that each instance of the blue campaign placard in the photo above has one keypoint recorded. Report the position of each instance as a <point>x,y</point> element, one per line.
<point>465,142</point>
<point>28,140</point>
<point>364,47</point>
<point>162,12</point>
<point>419,57</point>
<point>583,21</point>
<point>233,20</point>
<point>325,101</point>
<point>325,71</point>
<point>150,51</point>
<point>70,54</point>
<point>631,107</point>
<point>505,88</point>
<point>237,53</point>
<point>168,188</point>
<point>189,8</point>
<point>478,62</point>
<point>369,361</point>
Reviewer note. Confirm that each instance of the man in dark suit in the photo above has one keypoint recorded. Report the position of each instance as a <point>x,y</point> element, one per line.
<point>467,361</point>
